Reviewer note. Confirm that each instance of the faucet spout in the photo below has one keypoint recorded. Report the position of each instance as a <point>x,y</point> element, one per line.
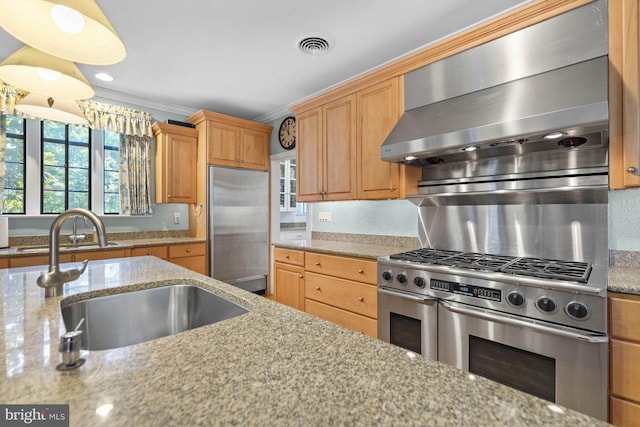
<point>54,280</point>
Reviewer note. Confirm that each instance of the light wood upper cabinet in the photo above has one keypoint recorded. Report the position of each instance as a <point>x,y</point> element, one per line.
<point>176,152</point>
<point>624,93</point>
<point>326,152</point>
<point>338,147</point>
<point>232,141</point>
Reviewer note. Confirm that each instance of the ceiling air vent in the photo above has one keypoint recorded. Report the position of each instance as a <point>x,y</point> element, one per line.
<point>314,45</point>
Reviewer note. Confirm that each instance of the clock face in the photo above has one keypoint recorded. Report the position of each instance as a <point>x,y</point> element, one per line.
<point>287,133</point>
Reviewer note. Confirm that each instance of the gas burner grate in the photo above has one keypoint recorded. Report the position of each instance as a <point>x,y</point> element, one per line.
<point>550,269</point>
<point>523,266</point>
<point>478,261</point>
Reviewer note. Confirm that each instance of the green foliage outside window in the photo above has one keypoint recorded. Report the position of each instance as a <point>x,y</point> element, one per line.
<point>111,172</point>
<point>66,166</point>
<point>13,193</point>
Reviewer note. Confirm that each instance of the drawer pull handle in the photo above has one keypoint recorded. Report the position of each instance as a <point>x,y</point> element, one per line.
<point>317,262</point>
<point>360,271</point>
<point>188,251</point>
<point>317,288</point>
<point>286,256</point>
<point>361,299</point>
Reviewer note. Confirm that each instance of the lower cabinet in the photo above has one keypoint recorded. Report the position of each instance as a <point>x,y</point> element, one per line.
<point>288,270</point>
<point>336,288</point>
<point>188,255</point>
<point>624,354</point>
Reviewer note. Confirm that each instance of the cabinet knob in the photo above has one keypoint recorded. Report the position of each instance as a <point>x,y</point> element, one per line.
<point>189,250</point>
<point>300,276</point>
<point>394,188</point>
<point>317,288</point>
<point>360,271</point>
<point>317,262</point>
<point>632,169</point>
<point>149,253</point>
<point>286,256</point>
<point>168,196</point>
<point>361,299</point>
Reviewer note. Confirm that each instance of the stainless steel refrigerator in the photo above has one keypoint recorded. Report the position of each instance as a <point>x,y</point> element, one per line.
<point>238,224</point>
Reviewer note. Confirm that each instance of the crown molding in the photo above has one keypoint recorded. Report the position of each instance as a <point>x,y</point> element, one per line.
<point>143,102</point>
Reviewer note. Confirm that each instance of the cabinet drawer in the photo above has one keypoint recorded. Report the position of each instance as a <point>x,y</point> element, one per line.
<point>625,369</point>
<point>358,269</point>
<point>104,254</point>
<point>36,260</point>
<point>344,318</point>
<point>624,316</point>
<point>186,250</point>
<point>289,256</point>
<point>353,296</point>
<point>4,263</point>
<point>623,413</point>
<point>195,263</point>
<point>157,251</point>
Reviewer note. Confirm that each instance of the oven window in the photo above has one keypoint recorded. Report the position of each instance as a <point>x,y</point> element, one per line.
<point>406,332</point>
<point>529,372</point>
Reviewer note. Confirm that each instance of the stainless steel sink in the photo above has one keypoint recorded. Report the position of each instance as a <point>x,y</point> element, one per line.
<point>133,317</point>
<point>64,247</point>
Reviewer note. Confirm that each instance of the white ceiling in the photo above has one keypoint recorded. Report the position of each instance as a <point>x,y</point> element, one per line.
<point>240,57</point>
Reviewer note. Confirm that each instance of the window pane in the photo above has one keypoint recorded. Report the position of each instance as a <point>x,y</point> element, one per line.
<point>111,172</point>
<point>112,203</point>
<point>13,193</point>
<point>66,174</point>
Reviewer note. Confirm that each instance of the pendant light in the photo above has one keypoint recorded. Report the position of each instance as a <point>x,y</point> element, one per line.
<point>75,30</point>
<point>59,110</point>
<point>35,71</point>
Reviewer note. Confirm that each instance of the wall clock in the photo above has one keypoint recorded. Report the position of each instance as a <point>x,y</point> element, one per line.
<point>287,133</point>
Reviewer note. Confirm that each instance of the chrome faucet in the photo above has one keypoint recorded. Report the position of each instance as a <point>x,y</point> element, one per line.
<point>75,237</point>
<point>53,281</point>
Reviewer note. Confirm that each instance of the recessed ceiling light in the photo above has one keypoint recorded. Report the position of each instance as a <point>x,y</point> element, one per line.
<point>554,135</point>
<point>470,148</point>
<point>104,77</point>
<point>409,158</point>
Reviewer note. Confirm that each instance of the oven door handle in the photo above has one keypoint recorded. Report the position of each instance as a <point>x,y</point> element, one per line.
<point>508,320</point>
<point>400,294</point>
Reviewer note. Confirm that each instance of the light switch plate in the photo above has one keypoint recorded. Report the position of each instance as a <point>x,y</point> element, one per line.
<point>325,216</point>
<point>176,217</point>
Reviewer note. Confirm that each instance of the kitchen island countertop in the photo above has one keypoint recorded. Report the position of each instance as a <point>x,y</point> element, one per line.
<point>271,366</point>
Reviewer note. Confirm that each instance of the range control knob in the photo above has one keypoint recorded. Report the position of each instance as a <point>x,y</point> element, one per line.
<point>401,278</point>
<point>516,299</point>
<point>577,310</point>
<point>419,282</point>
<point>546,304</point>
<point>387,275</point>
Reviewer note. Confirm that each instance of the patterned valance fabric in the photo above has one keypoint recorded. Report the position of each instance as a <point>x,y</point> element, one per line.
<point>101,116</point>
<point>117,119</point>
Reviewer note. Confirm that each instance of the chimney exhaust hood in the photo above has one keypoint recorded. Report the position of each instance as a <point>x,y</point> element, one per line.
<point>550,77</point>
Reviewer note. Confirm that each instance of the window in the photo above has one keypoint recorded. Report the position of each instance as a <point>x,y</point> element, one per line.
<point>111,172</point>
<point>288,186</point>
<point>14,165</point>
<point>66,167</point>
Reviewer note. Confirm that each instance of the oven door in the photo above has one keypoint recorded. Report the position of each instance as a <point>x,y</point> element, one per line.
<point>563,365</point>
<point>409,321</point>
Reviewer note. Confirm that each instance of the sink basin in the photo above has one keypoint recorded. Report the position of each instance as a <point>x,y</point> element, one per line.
<point>64,247</point>
<point>133,317</point>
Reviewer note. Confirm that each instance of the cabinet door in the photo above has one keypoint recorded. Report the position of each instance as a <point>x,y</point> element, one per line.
<point>339,139</point>
<point>223,144</point>
<point>379,109</point>
<point>624,93</point>
<point>309,156</point>
<point>289,285</point>
<point>181,167</point>
<point>254,150</point>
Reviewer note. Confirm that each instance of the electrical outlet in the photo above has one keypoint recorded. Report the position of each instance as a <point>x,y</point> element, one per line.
<point>176,217</point>
<point>325,216</point>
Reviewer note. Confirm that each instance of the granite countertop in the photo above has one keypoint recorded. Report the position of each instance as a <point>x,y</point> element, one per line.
<point>42,249</point>
<point>625,280</point>
<point>271,366</point>
<point>347,248</point>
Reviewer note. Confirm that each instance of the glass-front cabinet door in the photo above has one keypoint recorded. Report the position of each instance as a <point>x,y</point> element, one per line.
<point>288,186</point>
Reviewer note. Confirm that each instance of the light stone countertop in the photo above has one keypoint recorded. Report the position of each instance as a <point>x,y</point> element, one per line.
<point>625,280</point>
<point>362,250</point>
<point>271,366</point>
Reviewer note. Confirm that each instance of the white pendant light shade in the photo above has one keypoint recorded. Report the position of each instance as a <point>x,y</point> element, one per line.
<point>75,30</point>
<point>35,71</point>
<point>59,110</point>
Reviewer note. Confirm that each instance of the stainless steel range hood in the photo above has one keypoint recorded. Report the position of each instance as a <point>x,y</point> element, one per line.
<point>511,91</point>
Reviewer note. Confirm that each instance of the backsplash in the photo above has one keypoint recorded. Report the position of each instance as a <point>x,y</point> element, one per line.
<point>18,241</point>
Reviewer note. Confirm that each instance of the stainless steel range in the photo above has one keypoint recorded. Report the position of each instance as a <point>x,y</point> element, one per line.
<point>510,280</point>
